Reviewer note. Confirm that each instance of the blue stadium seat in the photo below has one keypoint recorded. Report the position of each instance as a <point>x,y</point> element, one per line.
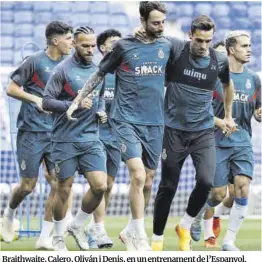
<point>62,6</point>
<point>223,22</point>
<point>185,23</point>
<point>256,23</point>
<point>21,41</point>
<point>116,8</point>
<point>7,5</point>
<point>184,9</point>
<point>171,6</point>
<point>7,16</point>
<point>23,17</point>
<point>256,48</point>
<point>203,8</point>
<point>39,30</point>
<point>7,56</point>
<point>99,19</point>
<point>238,10</point>
<point>220,35</point>
<point>42,6</point>
<point>7,42</point>
<point>254,11</point>
<point>80,18</point>
<point>241,23</point>
<point>171,16</point>
<point>124,30</point>
<point>23,6</point>
<point>23,30</point>
<point>42,17</point>
<point>7,29</point>
<point>17,59</point>
<point>256,36</point>
<point>119,20</point>
<point>220,10</point>
<point>99,7</point>
<point>62,16</point>
<point>80,7</point>
<point>40,41</point>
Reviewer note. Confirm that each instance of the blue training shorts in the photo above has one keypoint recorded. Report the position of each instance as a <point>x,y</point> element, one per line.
<point>82,156</point>
<point>233,161</point>
<point>140,141</point>
<point>32,149</point>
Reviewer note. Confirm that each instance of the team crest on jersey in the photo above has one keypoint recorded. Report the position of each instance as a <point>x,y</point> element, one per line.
<point>164,154</point>
<point>123,148</point>
<point>57,168</point>
<point>135,56</point>
<point>248,84</point>
<point>161,53</point>
<point>23,165</point>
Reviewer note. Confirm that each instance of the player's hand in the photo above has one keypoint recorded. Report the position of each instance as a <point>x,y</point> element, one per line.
<point>258,114</point>
<point>72,108</point>
<point>230,125</point>
<point>38,102</point>
<point>140,34</point>
<point>87,103</point>
<point>102,116</point>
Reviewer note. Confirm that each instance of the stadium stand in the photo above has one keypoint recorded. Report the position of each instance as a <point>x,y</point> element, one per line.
<point>24,22</point>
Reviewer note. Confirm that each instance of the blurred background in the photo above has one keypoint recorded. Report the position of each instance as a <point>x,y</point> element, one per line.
<point>22,33</point>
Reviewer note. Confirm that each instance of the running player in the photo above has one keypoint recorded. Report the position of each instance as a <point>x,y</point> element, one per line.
<point>107,134</point>
<point>35,125</point>
<point>189,124</point>
<point>137,110</point>
<point>224,207</point>
<point>234,152</point>
<point>76,145</point>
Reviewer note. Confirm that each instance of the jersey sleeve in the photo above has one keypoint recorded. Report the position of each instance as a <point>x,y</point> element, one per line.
<point>112,60</point>
<point>223,68</point>
<point>53,89</point>
<point>24,73</point>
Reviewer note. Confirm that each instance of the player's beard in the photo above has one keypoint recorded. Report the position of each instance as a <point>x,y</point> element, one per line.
<point>157,34</point>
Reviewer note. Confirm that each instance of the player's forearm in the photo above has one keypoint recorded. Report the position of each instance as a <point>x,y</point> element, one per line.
<point>54,105</point>
<point>228,98</point>
<point>94,80</point>
<point>15,91</point>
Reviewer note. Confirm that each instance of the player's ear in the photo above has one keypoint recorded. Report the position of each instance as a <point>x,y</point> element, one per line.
<point>102,48</point>
<point>231,50</point>
<point>55,41</point>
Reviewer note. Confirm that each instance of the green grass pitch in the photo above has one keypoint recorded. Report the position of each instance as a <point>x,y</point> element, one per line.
<point>248,239</point>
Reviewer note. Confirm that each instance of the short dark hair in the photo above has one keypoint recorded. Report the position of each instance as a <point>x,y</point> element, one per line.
<point>202,22</point>
<point>84,30</point>
<point>56,28</point>
<point>145,7</point>
<point>102,37</point>
<point>217,44</point>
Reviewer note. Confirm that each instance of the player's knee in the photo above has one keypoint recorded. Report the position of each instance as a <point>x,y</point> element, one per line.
<point>26,189</point>
<point>99,188</point>
<point>218,194</point>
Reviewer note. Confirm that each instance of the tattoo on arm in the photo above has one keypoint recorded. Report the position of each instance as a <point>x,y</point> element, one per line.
<point>95,79</point>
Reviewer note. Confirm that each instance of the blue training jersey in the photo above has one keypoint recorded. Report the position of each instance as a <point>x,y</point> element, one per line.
<point>140,75</point>
<point>33,75</point>
<point>63,86</point>
<point>247,98</point>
